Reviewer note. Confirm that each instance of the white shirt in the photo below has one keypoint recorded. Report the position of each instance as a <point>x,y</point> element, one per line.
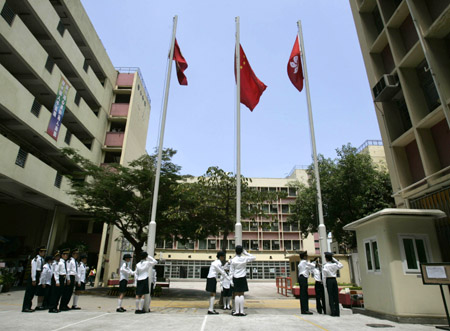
<point>155,277</point>
<point>36,265</point>
<point>46,275</point>
<point>82,272</point>
<point>72,269</point>
<point>143,268</point>
<point>225,281</point>
<point>317,274</point>
<point>238,267</point>
<point>125,271</point>
<point>330,268</point>
<point>215,269</point>
<point>60,270</point>
<point>305,268</point>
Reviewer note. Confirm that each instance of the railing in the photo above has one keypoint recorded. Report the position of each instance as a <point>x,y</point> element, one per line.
<point>297,167</point>
<point>284,284</point>
<point>368,143</point>
<point>134,69</point>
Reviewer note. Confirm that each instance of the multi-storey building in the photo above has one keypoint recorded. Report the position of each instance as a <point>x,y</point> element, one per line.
<point>271,238</point>
<point>47,47</point>
<point>406,49</point>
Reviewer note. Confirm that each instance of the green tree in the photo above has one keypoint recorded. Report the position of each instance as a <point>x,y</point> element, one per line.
<point>352,187</point>
<point>122,196</point>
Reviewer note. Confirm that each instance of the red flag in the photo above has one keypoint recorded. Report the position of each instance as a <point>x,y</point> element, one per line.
<point>251,87</point>
<point>294,67</point>
<point>181,64</point>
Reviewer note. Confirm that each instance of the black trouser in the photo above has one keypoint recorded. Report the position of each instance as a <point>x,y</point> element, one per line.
<point>320,297</point>
<point>48,293</point>
<point>304,305</point>
<point>30,292</point>
<point>333,296</point>
<point>56,292</point>
<point>67,293</point>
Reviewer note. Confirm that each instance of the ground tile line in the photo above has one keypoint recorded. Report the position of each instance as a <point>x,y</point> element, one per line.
<point>311,323</point>
<point>204,323</point>
<point>81,322</point>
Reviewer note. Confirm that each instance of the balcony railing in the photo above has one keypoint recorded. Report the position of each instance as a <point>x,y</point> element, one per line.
<point>114,139</point>
<point>119,109</point>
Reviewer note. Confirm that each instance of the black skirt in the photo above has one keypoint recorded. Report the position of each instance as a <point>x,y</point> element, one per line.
<point>142,287</point>
<point>123,286</point>
<point>240,284</point>
<point>227,292</point>
<point>82,287</point>
<point>211,284</point>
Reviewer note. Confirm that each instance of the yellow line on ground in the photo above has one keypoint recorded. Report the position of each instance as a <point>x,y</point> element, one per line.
<point>311,323</point>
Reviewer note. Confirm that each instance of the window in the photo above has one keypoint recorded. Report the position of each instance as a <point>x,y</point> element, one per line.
<point>58,180</point>
<point>265,208</point>
<point>255,245</point>
<point>414,250</point>
<point>292,192</point>
<point>427,84</point>
<point>49,64</point>
<point>61,28</point>
<point>295,245</point>
<point>272,189</point>
<point>245,244</point>
<point>274,226</point>
<point>169,243</point>
<point>8,14</point>
<point>85,65</point>
<point>202,244</point>
<point>287,245</point>
<point>286,227</point>
<point>21,158</point>
<point>77,99</point>
<point>254,226</point>
<point>211,243</point>
<point>275,245</point>
<point>377,20</point>
<point>285,209</point>
<point>36,108</point>
<point>273,209</point>
<point>231,244</point>
<point>68,137</point>
<point>266,245</point>
<point>372,259</point>
<point>295,226</point>
<point>160,244</point>
<point>245,226</point>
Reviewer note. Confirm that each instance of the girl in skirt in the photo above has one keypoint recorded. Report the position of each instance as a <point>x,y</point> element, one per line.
<point>238,272</point>
<point>141,280</point>
<point>125,273</point>
<point>215,270</point>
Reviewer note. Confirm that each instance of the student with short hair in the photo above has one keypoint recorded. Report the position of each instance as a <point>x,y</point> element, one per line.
<point>81,284</point>
<point>58,280</point>
<point>141,280</point>
<point>45,281</point>
<point>330,269</point>
<point>318,286</point>
<point>36,268</point>
<point>125,273</point>
<point>226,288</point>
<point>238,272</point>
<point>215,270</point>
<point>304,270</point>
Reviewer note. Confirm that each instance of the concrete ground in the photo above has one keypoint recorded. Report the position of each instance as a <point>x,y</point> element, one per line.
<point>184,307</point>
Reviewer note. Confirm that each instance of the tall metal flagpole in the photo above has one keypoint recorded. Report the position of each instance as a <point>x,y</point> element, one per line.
<point>238,226</point>
<point>152,224</point>
<point>322,229</point>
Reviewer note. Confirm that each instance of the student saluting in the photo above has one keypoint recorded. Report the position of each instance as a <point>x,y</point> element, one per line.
<point>304,270</point>
<point>330,269</point>
<point>238,272</point>
<point>141,280</point>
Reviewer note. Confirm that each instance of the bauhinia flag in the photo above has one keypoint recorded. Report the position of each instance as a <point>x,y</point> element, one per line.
<point>181,64</point>
<point>58,109</point>
<point>251,87</point>
<point>294,67</point>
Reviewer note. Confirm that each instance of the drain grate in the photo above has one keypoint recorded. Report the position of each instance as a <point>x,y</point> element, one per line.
<point>380,325</point>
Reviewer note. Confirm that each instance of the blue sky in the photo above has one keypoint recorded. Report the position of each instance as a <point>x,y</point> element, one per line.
<point>201,116</point>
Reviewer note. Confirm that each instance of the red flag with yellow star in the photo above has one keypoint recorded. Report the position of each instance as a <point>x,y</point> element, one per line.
<point>181,64</point>
<point>251,87</point>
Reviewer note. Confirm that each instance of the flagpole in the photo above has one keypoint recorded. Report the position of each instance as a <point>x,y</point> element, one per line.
<point>322,229</point>
<point>238,226</point>
<point>152,224</point>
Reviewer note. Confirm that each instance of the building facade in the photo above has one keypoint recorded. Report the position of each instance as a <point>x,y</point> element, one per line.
<point>47,47</point>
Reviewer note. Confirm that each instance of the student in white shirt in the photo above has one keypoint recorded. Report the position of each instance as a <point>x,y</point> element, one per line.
<point>154,279</point>
<point>330,269</point>
<point>57,278</point>
<point>36,267</point>
<point>215,270</point>
<point>125,273</point>
<point>141,280</point>
<point>318,286</point>
<point>226,288</point>
<point>44,283</point>
<point>81,283</point>
<point>238,272</point>
<point>72,278</point>
<point>304,270</point>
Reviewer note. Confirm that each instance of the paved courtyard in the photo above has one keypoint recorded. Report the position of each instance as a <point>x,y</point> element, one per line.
<point>184,307</point>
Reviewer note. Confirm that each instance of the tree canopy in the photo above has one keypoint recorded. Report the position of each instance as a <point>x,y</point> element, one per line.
<point>352,187</point>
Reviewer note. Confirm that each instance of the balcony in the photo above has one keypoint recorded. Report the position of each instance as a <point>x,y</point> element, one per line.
<point>114,139</point>
<point>119,109</point>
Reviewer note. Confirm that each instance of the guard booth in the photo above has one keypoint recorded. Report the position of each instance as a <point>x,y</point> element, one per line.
<point>392,243</point>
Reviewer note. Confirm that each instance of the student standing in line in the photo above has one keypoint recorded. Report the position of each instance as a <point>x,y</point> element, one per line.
<point>45,281</point>
<point>125,273</point>
<point>215,270</point>
<point>55,292</point>
<point>226,289</point>
<point>330,269</point>
<point>318,286</point>
<point>36,267</point>
<point>67,287</point>
<point>238,272</point>
<point>304,270</point>
<point>141,280</point>
<point>81,284</point>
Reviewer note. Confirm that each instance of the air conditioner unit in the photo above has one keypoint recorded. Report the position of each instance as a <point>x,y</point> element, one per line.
<point>386,88</point>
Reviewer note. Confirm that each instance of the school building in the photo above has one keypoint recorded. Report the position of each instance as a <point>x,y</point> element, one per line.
<point>406,49</point>
<point>51,56</point>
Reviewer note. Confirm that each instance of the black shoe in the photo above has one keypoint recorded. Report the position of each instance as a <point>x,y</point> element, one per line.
<point>235,314</point>
<point>212,312</point>
<point>40,308</point>
<point>139,311</point>
<point>75,308</point>
<point>120,310</point>
<point>242,314</point>
<point>27,310</point>
<point>307,313</point>
<point>53,311</point>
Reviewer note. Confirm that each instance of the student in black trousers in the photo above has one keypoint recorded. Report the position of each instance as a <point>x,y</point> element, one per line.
<point>330,269</point>
<point>304,270</point>
<point>36,267</point>
<point>318,287</point>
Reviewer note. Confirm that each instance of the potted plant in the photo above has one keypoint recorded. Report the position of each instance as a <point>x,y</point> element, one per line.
<point>1,283</point>
<point>8,281</point>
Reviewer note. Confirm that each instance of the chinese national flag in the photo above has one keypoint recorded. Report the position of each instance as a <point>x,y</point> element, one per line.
<point>181,64</point>
<point>251,87</point>
<point>294,67</point>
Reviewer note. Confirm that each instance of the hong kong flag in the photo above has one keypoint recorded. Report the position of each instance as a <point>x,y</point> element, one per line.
<point>251,87</point>
<point>181,64</point>
<point>294,67</point>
